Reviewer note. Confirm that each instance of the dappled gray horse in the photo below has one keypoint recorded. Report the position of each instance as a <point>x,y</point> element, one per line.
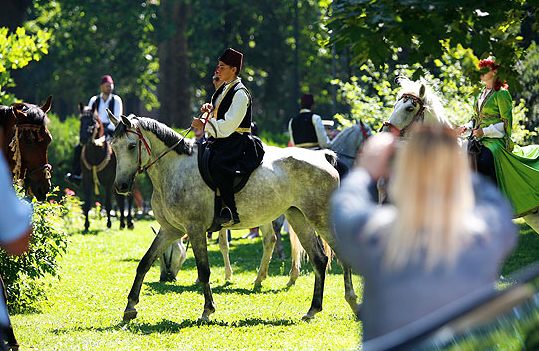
<point>349,141</point>
<point>293,181</point>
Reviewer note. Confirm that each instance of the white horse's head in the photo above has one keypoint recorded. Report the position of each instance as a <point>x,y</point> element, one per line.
<point>131,150</point>
<point>416,102</point>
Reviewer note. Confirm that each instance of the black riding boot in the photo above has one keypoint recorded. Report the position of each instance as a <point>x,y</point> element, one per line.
<point>75,177</point>
<point>229,214</point>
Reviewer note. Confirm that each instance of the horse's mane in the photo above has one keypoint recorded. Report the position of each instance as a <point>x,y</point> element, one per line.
<point>434,110</point>
<point>34,113</point>
<point>165,134</point>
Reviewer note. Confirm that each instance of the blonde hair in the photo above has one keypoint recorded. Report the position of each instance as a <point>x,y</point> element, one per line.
<point>432,190</point>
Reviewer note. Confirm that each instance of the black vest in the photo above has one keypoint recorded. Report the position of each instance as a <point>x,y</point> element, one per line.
<point>111,103</point>
<point>303,129</point>
<point>226,101</point>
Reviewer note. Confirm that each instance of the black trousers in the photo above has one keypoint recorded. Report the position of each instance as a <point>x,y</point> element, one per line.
<point>485,164</point>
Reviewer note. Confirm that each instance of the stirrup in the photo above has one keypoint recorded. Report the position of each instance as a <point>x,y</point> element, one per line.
<point>228,219</point>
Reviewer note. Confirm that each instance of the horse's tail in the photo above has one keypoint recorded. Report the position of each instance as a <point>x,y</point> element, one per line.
<point>329,253</point>
<point>298,253</point>
<point>331,156</point>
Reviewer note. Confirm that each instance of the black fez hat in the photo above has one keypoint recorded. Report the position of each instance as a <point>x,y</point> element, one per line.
<point>232,58</point>
<point>307,100</point>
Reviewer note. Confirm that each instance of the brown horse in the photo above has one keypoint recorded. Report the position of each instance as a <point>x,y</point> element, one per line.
<point>98,165</point>
<point>25,139</point>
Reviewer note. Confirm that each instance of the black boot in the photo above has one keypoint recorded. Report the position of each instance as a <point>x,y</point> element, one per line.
<point>75,177</point>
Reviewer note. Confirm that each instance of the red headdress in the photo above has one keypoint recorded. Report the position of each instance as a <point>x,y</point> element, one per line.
<point>490,62</point>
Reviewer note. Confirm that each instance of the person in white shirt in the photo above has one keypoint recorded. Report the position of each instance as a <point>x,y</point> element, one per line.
<point>234,150</point>
<point>103,101</point>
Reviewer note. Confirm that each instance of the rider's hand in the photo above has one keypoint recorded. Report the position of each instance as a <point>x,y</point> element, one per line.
<point>376,155</point>
<point>460,130</point>
<point>478,132</point>
<point>207,107</point>
<point>197,123</point>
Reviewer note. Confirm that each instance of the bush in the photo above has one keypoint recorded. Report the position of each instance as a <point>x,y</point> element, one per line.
<point>23,274</point>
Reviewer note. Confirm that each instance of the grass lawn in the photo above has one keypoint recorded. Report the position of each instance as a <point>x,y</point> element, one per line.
<point>85,307</point>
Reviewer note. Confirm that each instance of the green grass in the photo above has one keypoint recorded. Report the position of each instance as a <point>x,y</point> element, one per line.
<point>85,307</point>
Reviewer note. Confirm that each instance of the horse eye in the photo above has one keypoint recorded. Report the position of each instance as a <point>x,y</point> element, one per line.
<point>410,108</point>
<point>131,146</point>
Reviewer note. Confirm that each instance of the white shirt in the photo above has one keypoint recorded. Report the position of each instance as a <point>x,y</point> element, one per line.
<point>104,104</point>
<point>323,139</point>
<point>222,128</point>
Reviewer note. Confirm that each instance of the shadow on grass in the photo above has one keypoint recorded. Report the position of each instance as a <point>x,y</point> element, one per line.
<point>225,288</point>
<point>167,326</point>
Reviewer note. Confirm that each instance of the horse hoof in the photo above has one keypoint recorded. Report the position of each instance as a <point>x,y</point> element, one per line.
<point>109,224</point>
<point>291,282</point>
<point>257,283</point>
<point>122,225</point>
<point>131,226</point>
<point>13,347</point>
<point>129,315</point>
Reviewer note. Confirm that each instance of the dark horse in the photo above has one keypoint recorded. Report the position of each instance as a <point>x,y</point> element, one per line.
<point>98,165</point>
<point>25,139</point>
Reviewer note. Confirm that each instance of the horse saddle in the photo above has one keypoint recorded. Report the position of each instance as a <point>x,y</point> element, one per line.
<point>204,154</point>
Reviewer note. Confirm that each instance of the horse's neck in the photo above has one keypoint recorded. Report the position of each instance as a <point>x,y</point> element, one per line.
<point>169,165</point>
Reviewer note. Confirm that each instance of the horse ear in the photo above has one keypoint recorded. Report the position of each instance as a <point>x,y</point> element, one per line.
<point>81,107</point>
<point>113,118</point>
<point>127,122</point>
<point>422,91</point>
<point>47,105</point>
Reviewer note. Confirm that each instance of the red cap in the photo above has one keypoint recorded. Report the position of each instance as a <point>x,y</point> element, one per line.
<point>107,79</point>
<point>232,58</point>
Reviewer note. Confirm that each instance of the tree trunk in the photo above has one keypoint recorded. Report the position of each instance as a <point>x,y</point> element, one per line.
<point>173,89</point>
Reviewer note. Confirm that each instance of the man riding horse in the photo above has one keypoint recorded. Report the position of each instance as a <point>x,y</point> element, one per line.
<point>103,101</point>
<point>234,150</point>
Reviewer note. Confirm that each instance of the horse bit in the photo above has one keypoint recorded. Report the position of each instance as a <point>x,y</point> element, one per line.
<point>417,117</point>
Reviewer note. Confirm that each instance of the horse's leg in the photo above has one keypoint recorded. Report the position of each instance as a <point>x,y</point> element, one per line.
<point>160,243</point>
<point>224,248</point>
<point>197,236</point>
<point>318,259</point>
<point>8,331</point>
<point>277,226</point>
<point>296,253</point>
<point>268,240</point>
<point>321,227</point>
<point>108,204</point>
<point>130,223</point>
<point>120,201</point>
<point>88,186</point>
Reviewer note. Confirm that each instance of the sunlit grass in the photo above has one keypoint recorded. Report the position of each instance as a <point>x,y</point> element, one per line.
<point>84,310</point>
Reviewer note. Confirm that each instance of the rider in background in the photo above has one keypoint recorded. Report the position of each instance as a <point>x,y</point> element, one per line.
<point>513,168</point>
<point>443,236</point>
<point>103,101</point>
<point>307,130</point>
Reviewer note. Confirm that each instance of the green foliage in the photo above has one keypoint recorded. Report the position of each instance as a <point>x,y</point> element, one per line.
<point>65,136</point>
<point>16,51</point>
<point>418,31</point>
<point>23,275</point>
<point>92,38</point>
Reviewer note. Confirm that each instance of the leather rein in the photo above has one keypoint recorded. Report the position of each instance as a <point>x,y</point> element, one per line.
<point>141,140</point>
<point>419,116</point>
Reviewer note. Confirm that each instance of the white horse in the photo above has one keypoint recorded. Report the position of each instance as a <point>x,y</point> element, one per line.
<point>416,102</point>
<point>349,142</point>
<point>296,182</point>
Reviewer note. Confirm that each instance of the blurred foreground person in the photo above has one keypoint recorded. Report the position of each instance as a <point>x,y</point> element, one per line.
<point>442,237</point>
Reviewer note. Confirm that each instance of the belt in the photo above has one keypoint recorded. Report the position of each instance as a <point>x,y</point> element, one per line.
<point>243,130</point>
<point>307,145</point>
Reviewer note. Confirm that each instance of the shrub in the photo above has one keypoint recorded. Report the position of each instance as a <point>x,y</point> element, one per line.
<point>23,274</point>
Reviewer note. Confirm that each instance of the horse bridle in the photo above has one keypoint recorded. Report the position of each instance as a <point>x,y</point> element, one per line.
<point>141,140</point>
<point>419,116</point>
<point>17,157</point>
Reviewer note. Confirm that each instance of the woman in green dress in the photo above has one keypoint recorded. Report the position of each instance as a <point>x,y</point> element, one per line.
<point>515,169</point>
